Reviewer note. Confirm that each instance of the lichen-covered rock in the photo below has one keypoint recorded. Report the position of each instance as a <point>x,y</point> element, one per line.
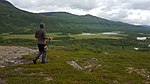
<point>10,55</point>
<point>74,64</point>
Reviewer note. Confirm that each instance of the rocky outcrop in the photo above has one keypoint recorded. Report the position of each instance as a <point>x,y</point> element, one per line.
<point>10,55</point>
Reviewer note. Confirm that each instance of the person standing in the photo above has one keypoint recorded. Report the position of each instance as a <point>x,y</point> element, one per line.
<point>41,38</point>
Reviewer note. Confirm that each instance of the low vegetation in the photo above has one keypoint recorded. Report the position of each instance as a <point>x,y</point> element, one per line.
<point>103,60</point>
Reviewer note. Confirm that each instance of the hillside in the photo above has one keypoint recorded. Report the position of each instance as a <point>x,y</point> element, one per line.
<point>15,20</point>
<point>146,26</point>
<point>98,60</point>
<point>89,23</point>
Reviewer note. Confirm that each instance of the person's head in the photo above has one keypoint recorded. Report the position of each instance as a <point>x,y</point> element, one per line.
<point>42,25</point>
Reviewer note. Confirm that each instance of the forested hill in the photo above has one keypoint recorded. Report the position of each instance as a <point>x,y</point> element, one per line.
<point>15,20</point>
<point>5,2</point>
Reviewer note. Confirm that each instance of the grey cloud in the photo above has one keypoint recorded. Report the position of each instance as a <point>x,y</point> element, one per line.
<point>135,4</point>
<point>141,5</point>
<point>74,4</point>
<point>119,10</point>
<point>84,4</point>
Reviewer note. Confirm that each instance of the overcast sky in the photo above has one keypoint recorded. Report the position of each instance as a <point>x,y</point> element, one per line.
<point>129,11</point>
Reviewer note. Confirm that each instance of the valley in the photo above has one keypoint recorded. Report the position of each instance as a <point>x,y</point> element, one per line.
<point>84,49</point>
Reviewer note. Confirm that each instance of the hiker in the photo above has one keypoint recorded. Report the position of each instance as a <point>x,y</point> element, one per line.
<point>41,38</point>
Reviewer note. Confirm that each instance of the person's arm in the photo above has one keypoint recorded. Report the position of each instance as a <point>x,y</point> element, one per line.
<point>36,35</point>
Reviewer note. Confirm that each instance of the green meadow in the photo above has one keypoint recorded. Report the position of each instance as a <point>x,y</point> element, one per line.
<point>104,59</point>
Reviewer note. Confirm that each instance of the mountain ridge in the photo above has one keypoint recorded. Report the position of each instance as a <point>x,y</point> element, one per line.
<point>19,21</point>
<point>146,26</point>
<point>5,2</point>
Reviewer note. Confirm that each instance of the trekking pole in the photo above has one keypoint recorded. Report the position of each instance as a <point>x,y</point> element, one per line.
<point>49,39</point>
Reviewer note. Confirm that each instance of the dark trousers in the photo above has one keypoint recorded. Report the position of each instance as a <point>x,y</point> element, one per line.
<point>42,51</point>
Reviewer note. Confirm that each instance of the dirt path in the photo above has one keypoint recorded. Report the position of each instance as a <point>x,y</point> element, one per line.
<point>10,55</point>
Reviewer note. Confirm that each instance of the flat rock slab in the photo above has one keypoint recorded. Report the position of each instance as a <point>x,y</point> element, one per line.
<point>12,54</point>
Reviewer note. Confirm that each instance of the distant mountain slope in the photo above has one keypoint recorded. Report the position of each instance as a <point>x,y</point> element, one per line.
<point>146,26</point>
<point>92,23</point>
<point>5,2</point>
<point>15,20</point>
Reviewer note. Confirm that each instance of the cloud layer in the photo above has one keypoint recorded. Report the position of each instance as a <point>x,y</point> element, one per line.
<point>129,11</point>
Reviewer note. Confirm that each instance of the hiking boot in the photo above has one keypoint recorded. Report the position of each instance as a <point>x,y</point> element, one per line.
<point>34,61</point>
<point>43,62</point>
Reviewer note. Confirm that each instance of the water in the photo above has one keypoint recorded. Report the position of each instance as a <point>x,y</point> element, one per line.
<point>141,38</point>
<point>149,45</point>
<point>112,33</point>
<point>87,34</point>
<point>106,33</point>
